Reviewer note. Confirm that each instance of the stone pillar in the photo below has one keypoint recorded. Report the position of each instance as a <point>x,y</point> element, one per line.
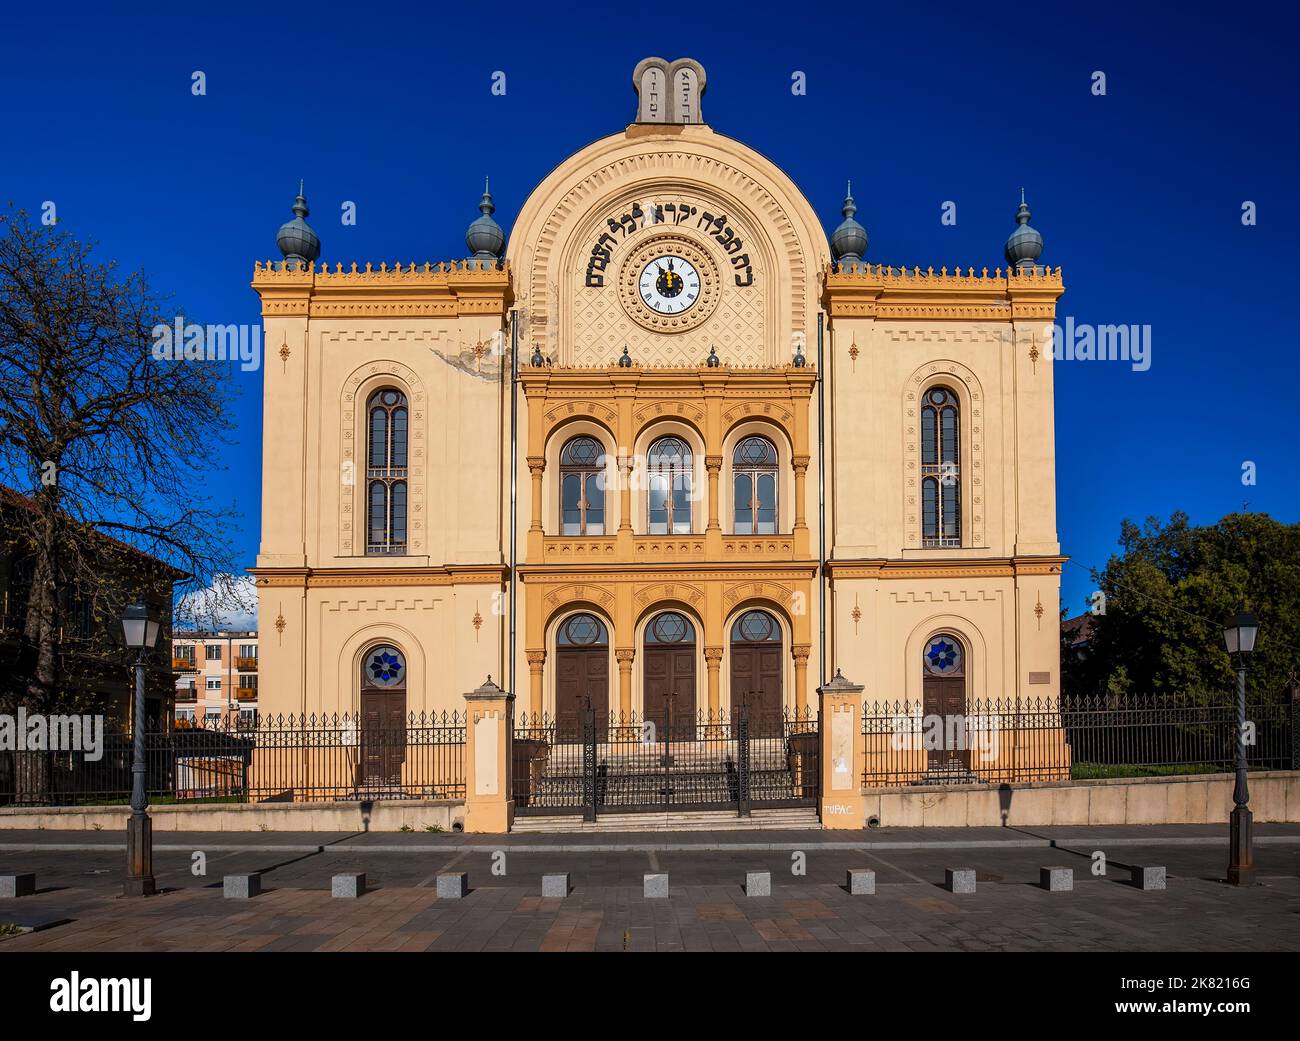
<point>489,735</point>
<point>536,664</point>
<point>623,538</point>
<point>713,659</point>
<point>713,533</point>
<point>801,537</point>
<point>800,652</point>
<point>625,656</point>
<point>843,754</point>
<point>536,467</point>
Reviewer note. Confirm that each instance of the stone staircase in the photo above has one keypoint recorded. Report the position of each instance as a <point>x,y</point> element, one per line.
<point>799,818</point>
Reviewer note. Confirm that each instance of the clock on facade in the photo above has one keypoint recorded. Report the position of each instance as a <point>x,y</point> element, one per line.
<point>669,285</point>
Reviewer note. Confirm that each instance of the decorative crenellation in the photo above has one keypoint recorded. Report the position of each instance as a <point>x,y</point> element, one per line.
<point>945,596</point>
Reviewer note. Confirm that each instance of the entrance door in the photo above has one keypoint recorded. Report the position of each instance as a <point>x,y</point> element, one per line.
<point>669,675</point>
<point>943,690</point>
<point>756,667</point>
<point>383,716</point>
<point>581,670</point>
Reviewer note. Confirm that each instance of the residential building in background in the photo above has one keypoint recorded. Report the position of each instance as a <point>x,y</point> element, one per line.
<point>216,677</point>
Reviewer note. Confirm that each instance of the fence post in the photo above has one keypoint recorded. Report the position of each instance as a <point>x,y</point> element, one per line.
<point>843,754</point>
<point>1293,721</point>
<point>489,736</point>
<point>588,763</point>
<point>742,765</point>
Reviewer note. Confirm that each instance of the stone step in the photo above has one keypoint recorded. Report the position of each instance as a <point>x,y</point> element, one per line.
<point>784,818</point>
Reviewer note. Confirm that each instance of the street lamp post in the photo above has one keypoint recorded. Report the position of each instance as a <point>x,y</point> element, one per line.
<point>1239,637</point>
<point>140,627</point>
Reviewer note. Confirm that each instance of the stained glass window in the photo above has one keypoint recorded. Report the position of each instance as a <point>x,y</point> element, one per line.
<point>940,469</point>
<point>943,656</point>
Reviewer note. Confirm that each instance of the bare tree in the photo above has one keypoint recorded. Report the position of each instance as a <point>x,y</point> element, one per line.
<point>103,438</point>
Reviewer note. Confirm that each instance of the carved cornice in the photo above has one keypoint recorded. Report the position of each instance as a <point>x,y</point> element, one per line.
<point>997,567</point>
<point>339,577</point>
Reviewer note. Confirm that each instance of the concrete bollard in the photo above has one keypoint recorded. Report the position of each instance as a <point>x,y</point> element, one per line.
<point>348,886</point>
<point>1148,877</point>
<point>452,885</point>
<point>1056,879</point>
<point>241,887</point>
<point>20,884</point>
<point>555,885</point>
<point>655,887</point>
<point>959,880</point>
<point>861,882</point>
<point>758,883</point>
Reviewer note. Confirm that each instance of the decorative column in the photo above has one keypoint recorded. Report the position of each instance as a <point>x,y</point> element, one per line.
<point>713,659</point>
<point>843,754</point>
<point>536,467</point>
<point>536,663</point>
<point>625,463</point>
<point>800,652</point>
<point>489,732</point>
<point>625,656</point>
<point>713,533</point>
<point>801,538</point>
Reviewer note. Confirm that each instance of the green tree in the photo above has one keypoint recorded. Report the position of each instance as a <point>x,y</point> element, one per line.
<point>1167,595</point>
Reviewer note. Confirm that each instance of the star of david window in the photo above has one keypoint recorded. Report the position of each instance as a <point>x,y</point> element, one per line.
<point>943,656</point>
<point>756,627</point>
<point>753,468</point>
<point>670,627</point>
<point>384,667</point>
<point>582,630</point>
<point>582,487</point>
<point>670,487</point>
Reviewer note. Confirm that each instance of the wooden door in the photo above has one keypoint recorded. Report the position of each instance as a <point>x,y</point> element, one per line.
<point>383,736</point>
<point>945,697</point>
<point>756,681</point>
<point>669,669</point>
<point>581,672</point>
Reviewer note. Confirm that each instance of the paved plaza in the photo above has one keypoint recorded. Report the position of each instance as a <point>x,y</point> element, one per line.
<point>78,907</point>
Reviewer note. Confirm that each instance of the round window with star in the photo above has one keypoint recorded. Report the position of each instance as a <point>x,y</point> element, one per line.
<point>385,667</point>
<point>943,656</point>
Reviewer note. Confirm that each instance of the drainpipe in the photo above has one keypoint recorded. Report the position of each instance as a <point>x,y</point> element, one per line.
<point>514,483</point>
<point>821,499</point>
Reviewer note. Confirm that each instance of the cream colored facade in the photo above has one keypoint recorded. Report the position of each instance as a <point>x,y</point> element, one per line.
<point>570,289</point>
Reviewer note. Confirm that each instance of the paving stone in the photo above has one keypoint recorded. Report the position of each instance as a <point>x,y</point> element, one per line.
<point>452,885</point>
<point>1148,877</point>
<point>959,880</point>
<point>20,884</point>
<point>861,882</point>
<point>1056,879</point>
<point>349,885</point>
<point>654,886</point>
<point>758,883</point>
<point>241,887</point>
<point>555,885</point>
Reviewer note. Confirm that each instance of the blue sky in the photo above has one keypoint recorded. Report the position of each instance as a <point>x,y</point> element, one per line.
<point>1138,194</point>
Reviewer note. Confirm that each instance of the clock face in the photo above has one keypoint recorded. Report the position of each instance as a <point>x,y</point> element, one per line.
<point>669,284</point>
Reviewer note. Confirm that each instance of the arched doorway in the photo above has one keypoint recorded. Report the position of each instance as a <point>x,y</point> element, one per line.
<point>383,715</point>
<point>669,671</point>
<point>756,665</point>
<point>943,689</point>
<point>581,668</point>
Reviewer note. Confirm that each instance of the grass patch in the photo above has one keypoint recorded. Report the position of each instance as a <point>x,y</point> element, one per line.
<point>1093,771</point>
<point>9,929</point>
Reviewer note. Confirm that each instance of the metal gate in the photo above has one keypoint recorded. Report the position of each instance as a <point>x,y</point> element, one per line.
<point>584,765</point>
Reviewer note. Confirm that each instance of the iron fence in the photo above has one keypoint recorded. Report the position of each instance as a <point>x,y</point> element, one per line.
<point>1002,740</point>
<point>581,763</point>
<point>279,758</point>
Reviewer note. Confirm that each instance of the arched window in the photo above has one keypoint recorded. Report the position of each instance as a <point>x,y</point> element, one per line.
<point>582,630</point>
<point>940,469</point>
<point>753,481</point>
<point>387,424</point>
<point>670,627</point>
<point>582,487</point>
<point>670,487</point>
